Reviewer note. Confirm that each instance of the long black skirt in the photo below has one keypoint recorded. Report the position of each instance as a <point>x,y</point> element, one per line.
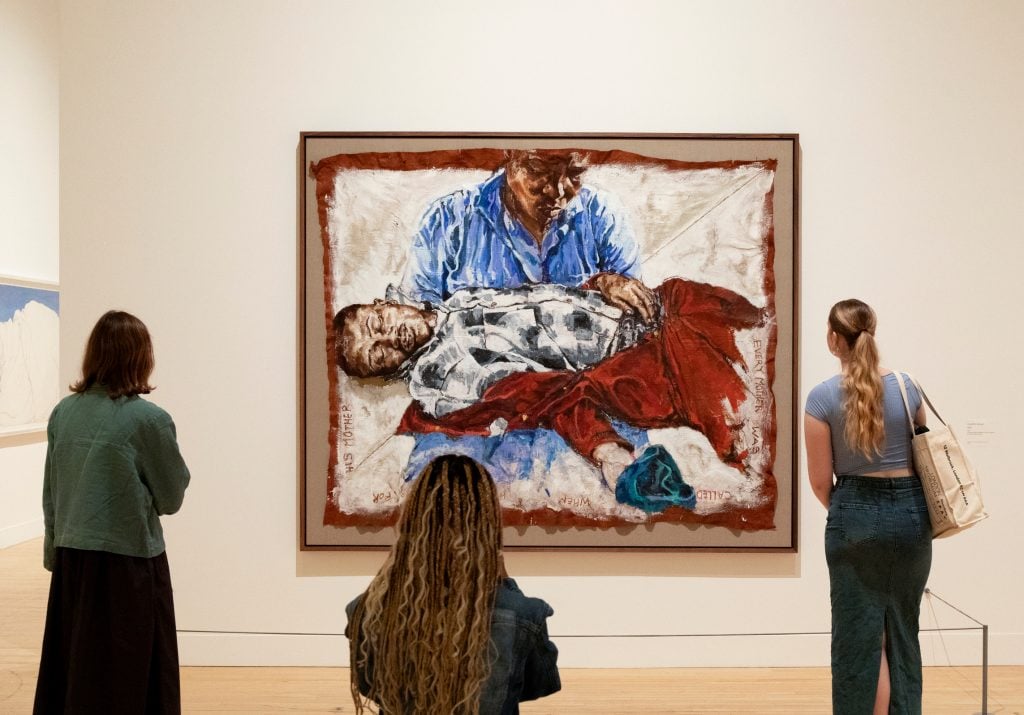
<point>110,644</point>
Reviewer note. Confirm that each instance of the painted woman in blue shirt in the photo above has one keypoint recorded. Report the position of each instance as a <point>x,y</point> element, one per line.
<point>531,222</point>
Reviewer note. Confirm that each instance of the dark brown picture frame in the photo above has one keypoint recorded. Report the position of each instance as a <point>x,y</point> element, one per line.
<point>324,152</point>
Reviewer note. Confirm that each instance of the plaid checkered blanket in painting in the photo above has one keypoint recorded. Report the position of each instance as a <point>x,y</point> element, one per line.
<point>484,334</point>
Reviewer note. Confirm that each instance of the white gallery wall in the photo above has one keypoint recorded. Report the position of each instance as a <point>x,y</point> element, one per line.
<point>29,133</point>
<point>179,178</point>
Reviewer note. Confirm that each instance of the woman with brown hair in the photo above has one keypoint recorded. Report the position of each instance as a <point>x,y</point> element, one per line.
<point>112,468</point>
<point>878,536</point>
<point>442,629</point>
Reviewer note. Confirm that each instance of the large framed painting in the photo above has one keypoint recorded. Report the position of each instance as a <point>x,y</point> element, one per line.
<point>605,322</point>
<point>29,354</point>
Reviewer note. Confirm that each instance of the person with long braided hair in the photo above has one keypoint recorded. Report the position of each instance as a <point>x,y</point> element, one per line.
<point>878,535</point>
<point>441,628</point>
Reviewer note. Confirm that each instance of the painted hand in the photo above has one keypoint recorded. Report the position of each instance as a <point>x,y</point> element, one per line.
<point>628,294</point>
<point>613,460</point>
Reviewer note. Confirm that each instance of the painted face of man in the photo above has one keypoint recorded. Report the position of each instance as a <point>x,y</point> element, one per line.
<point>542,185</point>
<point>376,339</point>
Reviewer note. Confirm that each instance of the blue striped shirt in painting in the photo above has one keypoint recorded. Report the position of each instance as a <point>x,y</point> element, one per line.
<point>468,240</point>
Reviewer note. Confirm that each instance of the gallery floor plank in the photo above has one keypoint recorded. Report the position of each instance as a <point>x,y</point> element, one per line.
<point>665,691</point>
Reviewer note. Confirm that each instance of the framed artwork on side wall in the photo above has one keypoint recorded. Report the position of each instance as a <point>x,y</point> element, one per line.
<point>29,354</point>
<point>605,322</point>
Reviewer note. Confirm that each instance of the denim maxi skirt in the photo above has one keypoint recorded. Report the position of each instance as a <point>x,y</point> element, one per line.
<point>878,544</point>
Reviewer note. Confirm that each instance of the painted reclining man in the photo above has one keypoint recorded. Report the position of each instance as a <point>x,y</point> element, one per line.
<point>490,360</point>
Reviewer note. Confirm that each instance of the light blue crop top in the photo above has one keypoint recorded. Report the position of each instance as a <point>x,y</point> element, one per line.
<point>825,402</point>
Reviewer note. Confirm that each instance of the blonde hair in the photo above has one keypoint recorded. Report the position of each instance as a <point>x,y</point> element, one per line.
<point>425,620</point>
<point>854,322</point>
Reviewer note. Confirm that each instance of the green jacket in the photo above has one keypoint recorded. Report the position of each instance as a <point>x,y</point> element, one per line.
<point>112,468</point>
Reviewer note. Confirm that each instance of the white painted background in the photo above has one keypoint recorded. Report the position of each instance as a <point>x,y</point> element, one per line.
<point>29,133</point>
<point>179,129</point>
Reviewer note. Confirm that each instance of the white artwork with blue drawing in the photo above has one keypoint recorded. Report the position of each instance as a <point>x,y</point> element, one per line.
<point>29,356</point>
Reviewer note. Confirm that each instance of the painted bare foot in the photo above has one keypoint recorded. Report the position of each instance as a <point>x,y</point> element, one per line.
<point>613,460</point>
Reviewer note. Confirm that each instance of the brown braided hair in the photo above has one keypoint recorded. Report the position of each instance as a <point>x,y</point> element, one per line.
<point>426,617</point>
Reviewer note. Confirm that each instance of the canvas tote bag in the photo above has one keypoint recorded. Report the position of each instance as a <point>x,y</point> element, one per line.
<point>949,480</point>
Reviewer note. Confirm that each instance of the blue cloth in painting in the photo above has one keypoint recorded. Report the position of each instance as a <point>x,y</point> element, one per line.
<point>467,239</point>
<point>518,454</point>
<point>653,483</point>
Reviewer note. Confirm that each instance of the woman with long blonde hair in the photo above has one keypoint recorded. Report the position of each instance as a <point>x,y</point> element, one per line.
<point>878,536</point>
<point>441,628</point>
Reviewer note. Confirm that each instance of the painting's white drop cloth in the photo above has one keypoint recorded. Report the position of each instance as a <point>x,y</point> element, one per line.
<point>708,225</point>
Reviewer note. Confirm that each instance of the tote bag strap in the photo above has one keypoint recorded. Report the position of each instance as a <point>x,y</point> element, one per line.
<point>906,402</point>
<point>923,394</point>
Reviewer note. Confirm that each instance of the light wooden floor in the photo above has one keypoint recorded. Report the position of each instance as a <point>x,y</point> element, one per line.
<point>23,584</point>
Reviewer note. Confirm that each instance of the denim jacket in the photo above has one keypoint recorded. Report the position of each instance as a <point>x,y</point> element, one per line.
<point>525,665</point>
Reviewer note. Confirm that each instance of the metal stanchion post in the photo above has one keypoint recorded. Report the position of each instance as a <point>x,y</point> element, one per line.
<point>984,670</point>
